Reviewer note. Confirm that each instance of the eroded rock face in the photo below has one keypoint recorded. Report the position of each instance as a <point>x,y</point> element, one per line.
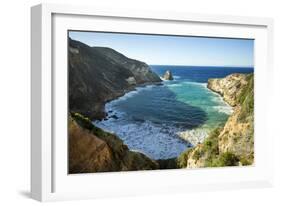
<point>233,144</point>
<point>93,150</point>
<point>88,153</point>
<point>98,75</point>
<point>168,75</point>
<point>131,80</point>
<point>237,134</point>
<point>229,87</point>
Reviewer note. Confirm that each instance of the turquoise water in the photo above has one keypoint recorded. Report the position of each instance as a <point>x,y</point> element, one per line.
<point>163,121</point>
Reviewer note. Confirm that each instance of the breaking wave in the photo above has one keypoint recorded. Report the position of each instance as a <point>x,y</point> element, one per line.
<point>155,141</point>
<point>194,136</point>
<point>162,121</point>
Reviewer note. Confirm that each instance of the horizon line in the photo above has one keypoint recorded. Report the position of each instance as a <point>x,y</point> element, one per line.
<point>234,66</point>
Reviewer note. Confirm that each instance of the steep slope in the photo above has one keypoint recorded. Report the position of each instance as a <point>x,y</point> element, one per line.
<point>94,150</point>
<point>140,70</point>
<point>98,75</point>
<point>232,144</point>
<point>229,88</point>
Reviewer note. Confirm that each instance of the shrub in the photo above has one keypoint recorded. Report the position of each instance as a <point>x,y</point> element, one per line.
<point>246,99</point>
<point>86,123</point>
<point>209,149</point>
<point>182,158</point>
<point>226,159</point>
<point>111,139</point>
<point>244,161</point>
<point>210,144</point>
<point>197,154</point>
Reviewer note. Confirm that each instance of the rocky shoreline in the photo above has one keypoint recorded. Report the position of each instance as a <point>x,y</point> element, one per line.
<point>198,135</point>
<point>194,136</point>
<point>93,150</point>
<point>98,75</point>
<point>229,87</point>
<point>232,144</point>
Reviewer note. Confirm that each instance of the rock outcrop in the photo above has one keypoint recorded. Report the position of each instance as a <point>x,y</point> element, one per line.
<point>168,75</point>
<point>233,144</point>
<point>229,88</point>
<point>93,150</point>
<point>98,75</point>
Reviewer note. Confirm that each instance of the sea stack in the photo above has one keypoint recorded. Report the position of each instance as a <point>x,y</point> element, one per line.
<point>168,75</point>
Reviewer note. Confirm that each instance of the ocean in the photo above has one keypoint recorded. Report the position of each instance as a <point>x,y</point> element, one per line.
<point>163,121</point>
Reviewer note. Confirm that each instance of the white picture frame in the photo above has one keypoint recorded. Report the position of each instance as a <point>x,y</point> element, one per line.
<point>49,178</point>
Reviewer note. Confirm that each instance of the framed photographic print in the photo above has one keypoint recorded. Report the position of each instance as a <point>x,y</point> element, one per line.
<point>137,102</point>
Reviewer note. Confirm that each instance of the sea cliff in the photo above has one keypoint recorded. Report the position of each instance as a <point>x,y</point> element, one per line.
<point>93,150</point>
<point>232,144</point>
<point>96,76</point>
<point>99,74</point>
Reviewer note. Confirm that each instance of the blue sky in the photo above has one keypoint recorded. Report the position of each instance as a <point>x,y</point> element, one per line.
<point>174,50</point>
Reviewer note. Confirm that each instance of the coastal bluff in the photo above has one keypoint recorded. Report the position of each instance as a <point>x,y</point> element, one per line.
<point>233,143</point>
<point>100,74</point>
<point>93,150</point>
<point>229,88</point>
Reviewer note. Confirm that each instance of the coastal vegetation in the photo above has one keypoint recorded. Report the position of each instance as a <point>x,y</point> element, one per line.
<point>233,144</point>
<point>93,150</point>
<point>98,75</point>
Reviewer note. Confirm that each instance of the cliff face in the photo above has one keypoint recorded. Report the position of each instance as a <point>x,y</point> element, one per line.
<point>229,88</point>
<point>94,150</point>
<point>232,144</point>
<point>98,75</point>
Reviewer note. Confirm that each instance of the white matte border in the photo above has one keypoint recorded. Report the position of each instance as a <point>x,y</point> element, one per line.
<point>140,182</point>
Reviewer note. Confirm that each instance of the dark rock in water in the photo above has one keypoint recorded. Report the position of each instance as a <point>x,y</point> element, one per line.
<point>168,75</point>
<point>99,74</point>
<point>113,116</point>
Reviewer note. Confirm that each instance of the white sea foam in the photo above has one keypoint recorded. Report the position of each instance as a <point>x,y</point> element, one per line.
<point>157,142</point>
<point>164,79</point>
<point>174,76</point>
<point>130,94</point>
<point>195,83</point>
<point>224,109</point>
<point>194,136</point>
<point>187,83</point>
<point>174,85</point>
<point>222,106</point>
<point>198,84</point>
